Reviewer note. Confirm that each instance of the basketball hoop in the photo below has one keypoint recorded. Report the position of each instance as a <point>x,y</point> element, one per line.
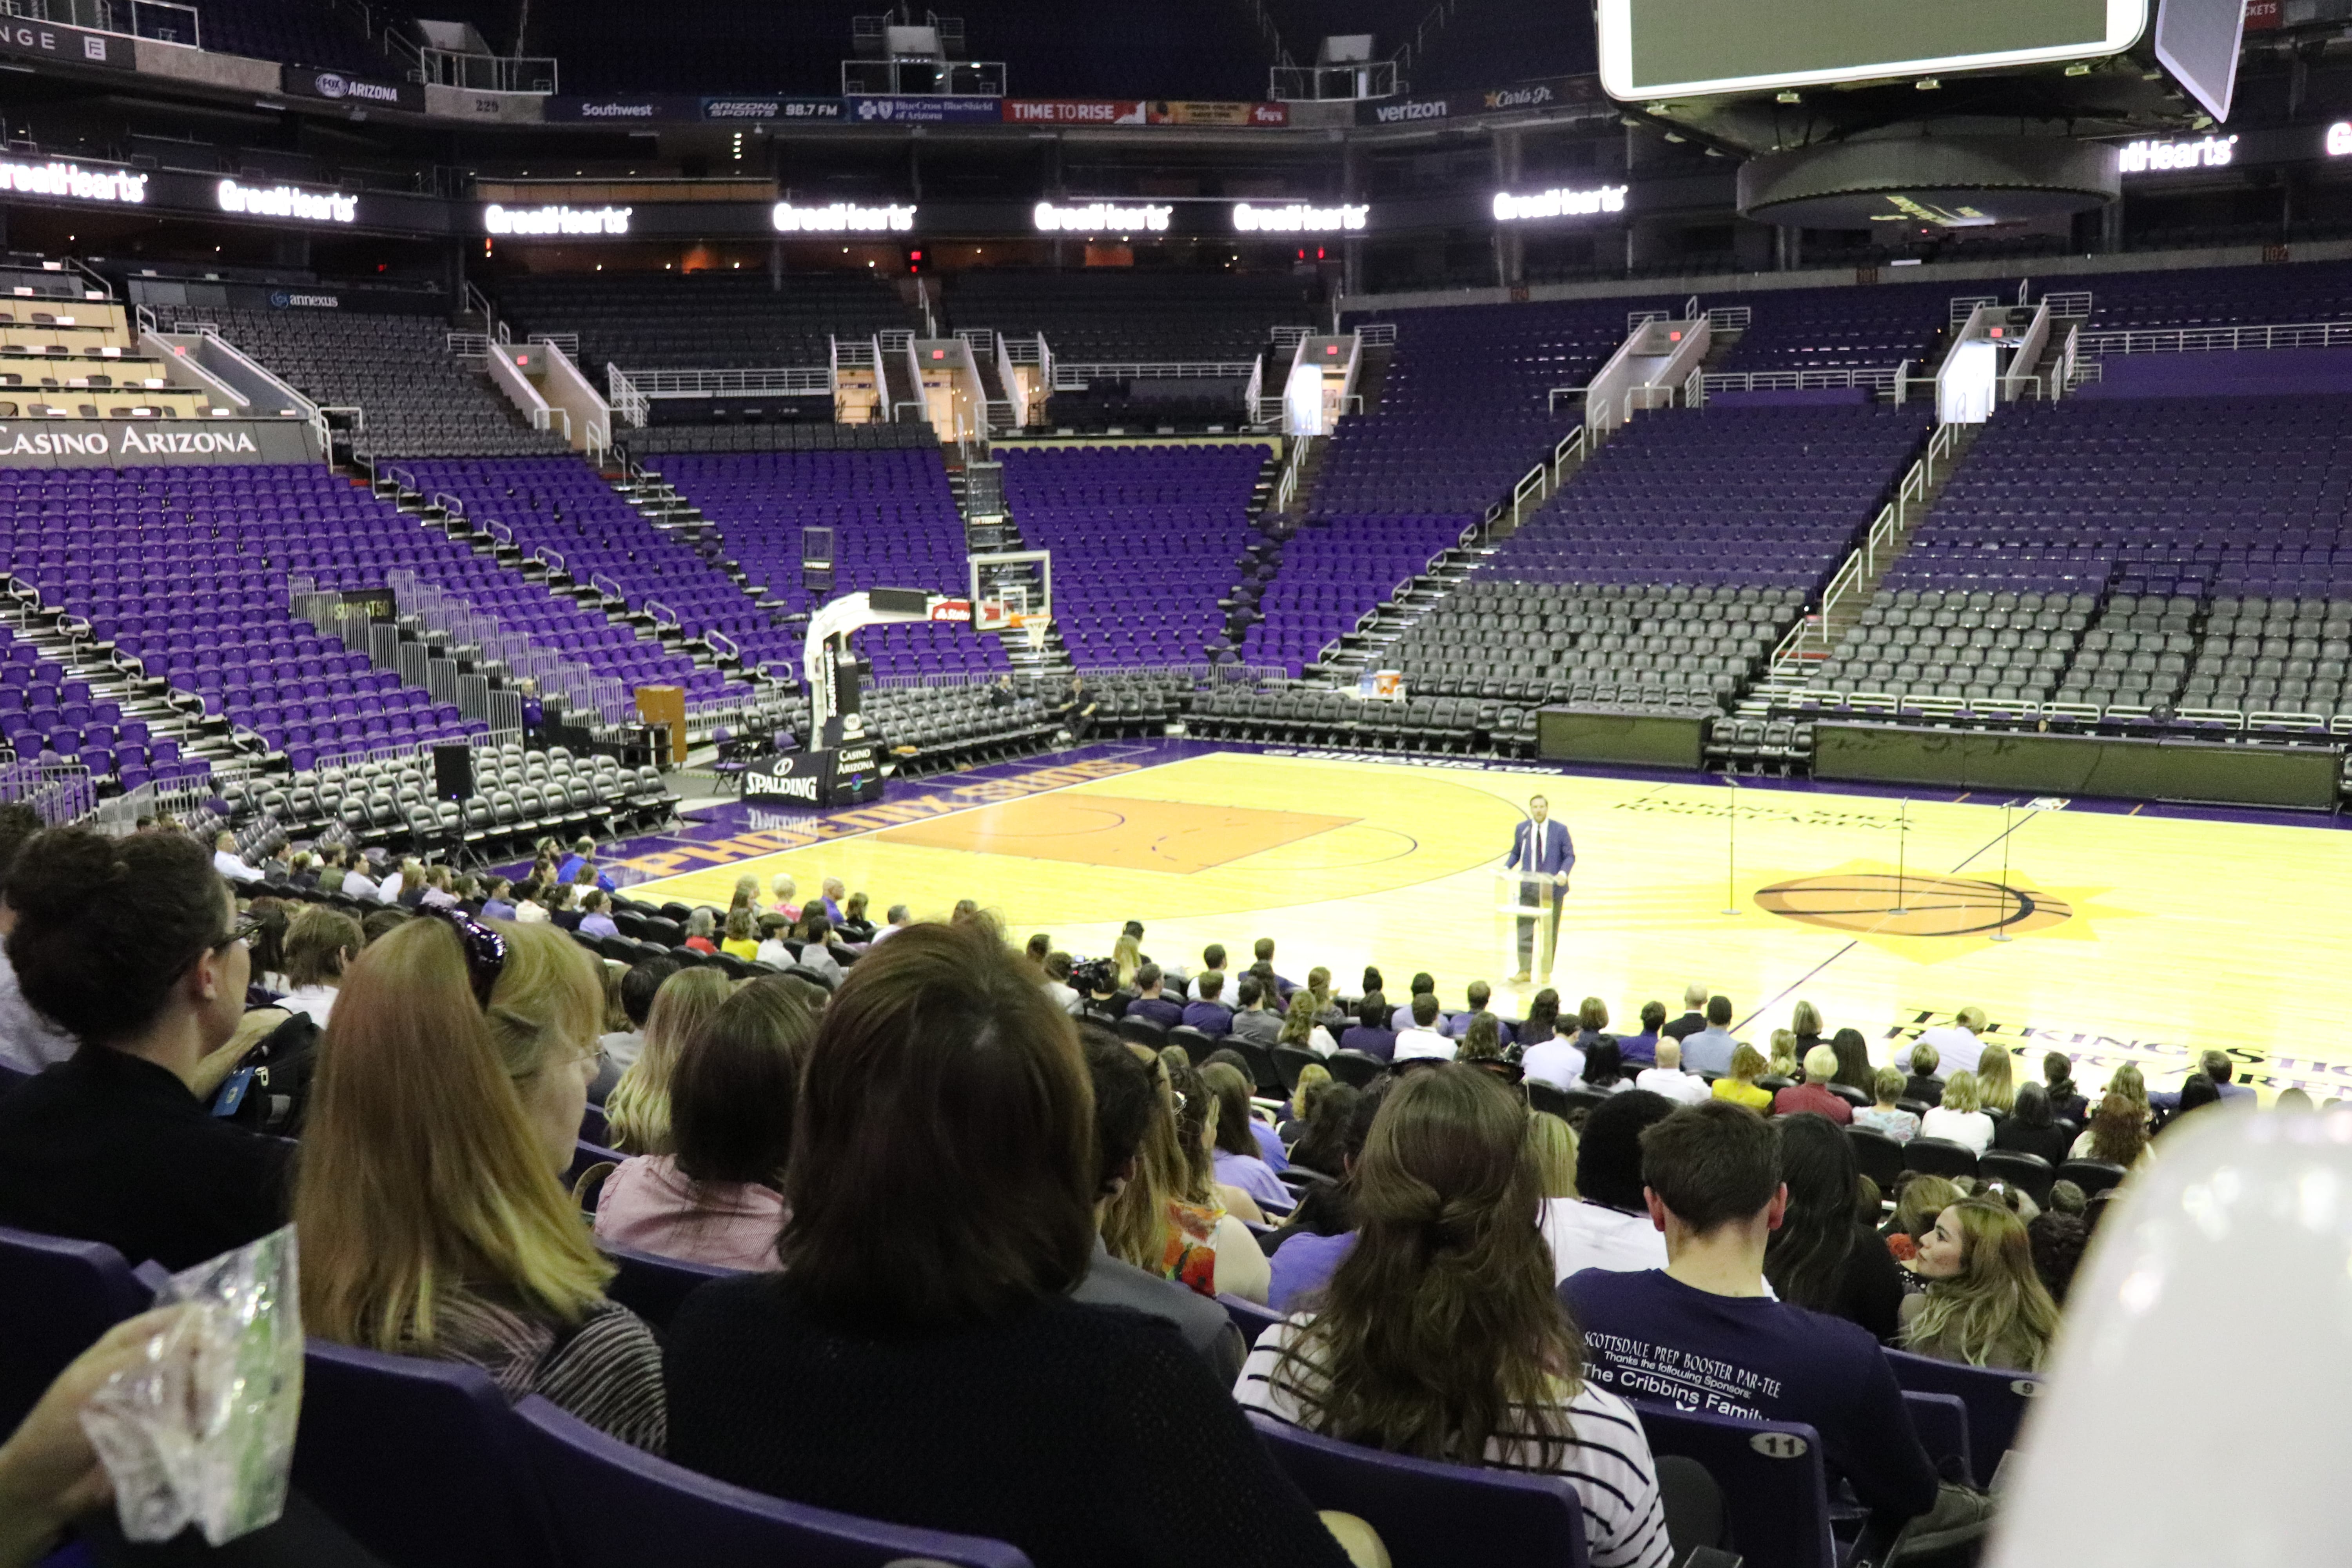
<point>1034,627</point>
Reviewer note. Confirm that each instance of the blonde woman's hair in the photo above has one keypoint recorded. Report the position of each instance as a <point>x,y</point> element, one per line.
<point>1298,1020</point>
<point>1747,1062</point>
<point>1820,1065</point>
<point>1554,1141</point>
<point>1997,1306</point>
<point>420,1173</point>
<point>2126,1081</point>
<point>1806,1020</point>
<point>1960,1093</point>
<point>1784,1053</point>
<point>747,889</point>
<point>1127,954</point>
<point>1313,1078</point>
<point>636,1113</point>
<point>1995,1084</point>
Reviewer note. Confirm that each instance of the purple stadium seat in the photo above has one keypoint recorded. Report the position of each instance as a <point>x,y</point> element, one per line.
<point>422,1460</point>
<point>1997,1402</point>
<point>653,1287</point>
<point>1425,1511</point>
<point>56,1297</point>
<point>613,1507</point>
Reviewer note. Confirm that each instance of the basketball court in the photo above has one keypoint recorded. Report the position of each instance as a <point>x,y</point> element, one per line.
<point>2110,932</point>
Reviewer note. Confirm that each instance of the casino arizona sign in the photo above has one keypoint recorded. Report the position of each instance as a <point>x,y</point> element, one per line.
<point>95,443</point>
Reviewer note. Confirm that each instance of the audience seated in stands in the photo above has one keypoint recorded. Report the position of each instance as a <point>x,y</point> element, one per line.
<point>1925,1084</point>
<point>1370,1033</point>
<point>1422,984</point>
<point>1554,1141</point>
<point>1127,1101</point>
<point>719,1198</point>
<point>1438,1334</point>
<point>1960,1117</point>
<point>1709,1050</point>
<point>1542,1021</point>
<point>1642,1050</point>
<point>1556,1058</point>
<point>1300,1025</point>
<point>1694,1018</point>
<point>1739,1086</point>
<point>1919,1199</point>
<point>1173,1219</point>
<point>1604,1068</point>
<point>320,944</point>
<point>133,945</point>
<point>1667,1077</point>
<point>943,1193</point>
<point>2216,1067</point>
<point>2027,1129</point>
<point>1150,1004</point>
<point>1207,1011</point>
<point>1606,1224</point>
<point>1983,1304</point>
<point>1421,1039</point>
<point>637,1111</point>
<point>1305,1251</point>
<point>427,1199</point>
<point>1479,994</point>
<point>2197,1092</point>
<point>1238,1159</point>
<point>1824,1258</point>
<point>2067,1103</point>
<point>1996,1082</point>
<point>639,987</point>
<point>1252,1020</point>
<point>1885,1115</point>
<point>1821,1070</point>
<point>1957,1045</point>
<point>1712,1175</point>
<point>1853,1069</point>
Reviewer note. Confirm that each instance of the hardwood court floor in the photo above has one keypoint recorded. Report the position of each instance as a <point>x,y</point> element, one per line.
<point>2129,937</point>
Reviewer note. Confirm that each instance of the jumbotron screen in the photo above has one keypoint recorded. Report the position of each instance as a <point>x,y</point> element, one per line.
<point>1670,48</point>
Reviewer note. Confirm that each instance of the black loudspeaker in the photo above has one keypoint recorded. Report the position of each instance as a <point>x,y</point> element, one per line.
<point>453,772</point>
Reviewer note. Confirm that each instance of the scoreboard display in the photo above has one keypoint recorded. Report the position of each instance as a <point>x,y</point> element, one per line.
<point>1676,48</point>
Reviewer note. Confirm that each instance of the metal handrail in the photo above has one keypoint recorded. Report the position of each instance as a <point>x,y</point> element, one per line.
<point>1877,380</point>
<point>2206,339</point>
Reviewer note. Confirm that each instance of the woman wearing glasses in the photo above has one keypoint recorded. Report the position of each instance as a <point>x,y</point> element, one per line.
<point>429,1202</point>
<point>117,1144</point>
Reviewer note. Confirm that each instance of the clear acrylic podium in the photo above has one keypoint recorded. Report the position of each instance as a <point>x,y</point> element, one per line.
<point>1518,897</point>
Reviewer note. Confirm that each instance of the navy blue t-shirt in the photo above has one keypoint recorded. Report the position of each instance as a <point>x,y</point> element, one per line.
<point>1650,1336</point>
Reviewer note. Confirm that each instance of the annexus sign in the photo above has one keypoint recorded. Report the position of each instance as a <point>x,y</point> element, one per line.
<point>497,219</point>
<point>1299,217</point>
<point>286,201</point>
<point>1099,217</point>
<point>842,217</point>
<point>1558,203</point>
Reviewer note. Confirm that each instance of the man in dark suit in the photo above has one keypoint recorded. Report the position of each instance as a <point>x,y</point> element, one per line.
<point>1542,853</point>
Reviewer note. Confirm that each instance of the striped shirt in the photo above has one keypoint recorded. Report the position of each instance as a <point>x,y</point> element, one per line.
<point>1605,1456</point>
<point>607,1371</point>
